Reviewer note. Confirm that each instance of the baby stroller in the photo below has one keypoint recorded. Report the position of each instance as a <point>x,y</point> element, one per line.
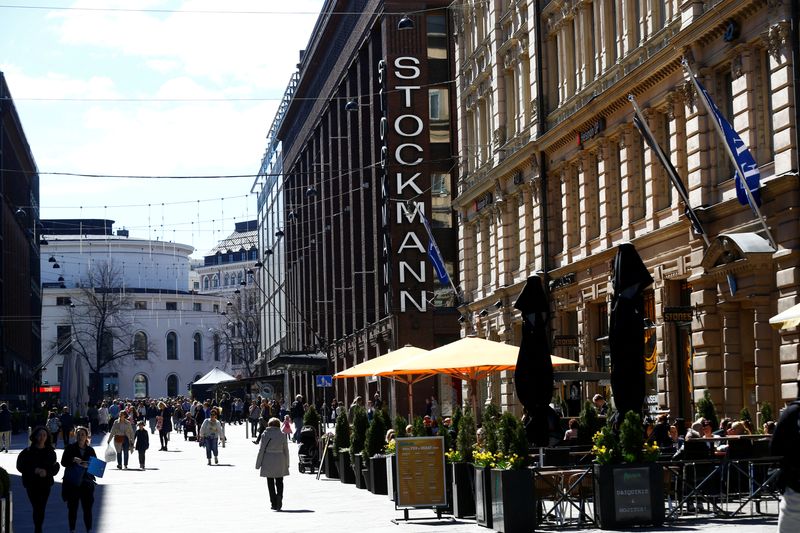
<point>308,455</point>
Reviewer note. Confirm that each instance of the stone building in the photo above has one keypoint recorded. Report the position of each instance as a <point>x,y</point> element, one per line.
<point>554,176</point>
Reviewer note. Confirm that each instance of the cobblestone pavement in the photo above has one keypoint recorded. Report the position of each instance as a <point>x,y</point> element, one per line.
<point>180,493</point>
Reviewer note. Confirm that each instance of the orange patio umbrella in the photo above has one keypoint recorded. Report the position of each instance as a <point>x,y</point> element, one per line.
<point>469,359</point>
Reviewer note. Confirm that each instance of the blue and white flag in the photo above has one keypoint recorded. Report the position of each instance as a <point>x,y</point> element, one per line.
<point>434,254</point>
<point>745,162</point>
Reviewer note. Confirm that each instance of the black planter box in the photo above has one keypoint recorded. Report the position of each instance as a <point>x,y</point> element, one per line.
<point>629,495</point>
<point>513,501</point>
<point>345,469</point>
<point>463,489</point>
<point>391,476</point>
<point>329,466</point>
<point>358,466</point>
<point>377,475</point>
<point>448,489</point>
<point>483,497</point>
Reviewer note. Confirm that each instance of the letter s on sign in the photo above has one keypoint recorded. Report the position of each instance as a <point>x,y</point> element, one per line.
<point>401,64</point>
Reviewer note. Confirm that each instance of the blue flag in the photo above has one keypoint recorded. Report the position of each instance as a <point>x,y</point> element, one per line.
<point>434,254</point>
<point>745,162</point>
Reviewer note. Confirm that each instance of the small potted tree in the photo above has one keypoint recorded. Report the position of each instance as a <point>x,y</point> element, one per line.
<point>483,460</point>
<point>513,508</point>
<point>400,424</point>
<point>463,487</point>
<point>373,454</point>
<point>357,439</point>
<point>341,445</point>
<point>628,484</point>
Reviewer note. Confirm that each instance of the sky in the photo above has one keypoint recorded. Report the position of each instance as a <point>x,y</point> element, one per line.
<point>151,88</point>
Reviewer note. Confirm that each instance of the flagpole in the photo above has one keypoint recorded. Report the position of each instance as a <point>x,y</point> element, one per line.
<point>732,157</point>
<point>662,156</point>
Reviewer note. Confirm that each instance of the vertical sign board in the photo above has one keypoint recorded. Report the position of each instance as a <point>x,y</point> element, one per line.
<point>420,472</point>
<point>632,498</point>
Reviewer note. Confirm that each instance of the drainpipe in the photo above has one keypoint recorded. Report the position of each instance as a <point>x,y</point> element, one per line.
<point>796,69</point>
<point>541,125</point>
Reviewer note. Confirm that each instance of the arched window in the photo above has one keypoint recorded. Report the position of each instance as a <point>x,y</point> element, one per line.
<point>172,385</point>
<point>196,377</point>
<point>172,345</point>
<point>140,386</point>
<point>140,345</point>
<point>216,347</point>
<point>197,346</point>
<point>241,277</point>
<point>227,280</point>
<point>205,283</point>
<point>215,281</point>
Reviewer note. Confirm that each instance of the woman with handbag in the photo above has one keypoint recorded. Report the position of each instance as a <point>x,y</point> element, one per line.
<point>122,435</point>
<point>165,412</point>
<point>77,487</point>
<point>273,461</point>
<point>38,465</point>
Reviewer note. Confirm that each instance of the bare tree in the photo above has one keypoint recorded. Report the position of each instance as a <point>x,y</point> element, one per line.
<point>239,330</point>
<point>103,324</point>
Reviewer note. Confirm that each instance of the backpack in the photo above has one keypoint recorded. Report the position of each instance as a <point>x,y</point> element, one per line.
<point>53,425</point>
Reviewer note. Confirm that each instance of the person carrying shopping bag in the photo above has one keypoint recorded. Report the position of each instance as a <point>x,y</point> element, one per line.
<point>210,433</point>
<point>122,435</point>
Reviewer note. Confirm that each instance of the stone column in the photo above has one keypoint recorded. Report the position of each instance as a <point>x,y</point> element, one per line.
<point>706,339</point>
<point>627,171</point>
<point>484,249</point>
<point>780,76</point>
<point>788,284</point>
<point>731,361</point>
<point>766,375</point>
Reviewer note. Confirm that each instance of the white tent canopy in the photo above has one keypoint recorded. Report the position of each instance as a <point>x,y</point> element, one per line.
<point>214,376</point>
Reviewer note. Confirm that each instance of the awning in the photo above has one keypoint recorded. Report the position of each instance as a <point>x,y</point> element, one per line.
<point>384,363</point>
<point>308,362</point>
<point>603,378</point>
<point>214,376</point>
<point>787,319</point>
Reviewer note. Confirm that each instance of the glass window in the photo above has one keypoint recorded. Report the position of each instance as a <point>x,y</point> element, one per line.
<point>64,339</point>
<point>172,345</point>
<point>439,111</point>
<point>216,347</point>
<point>172,306</point>
<point>140,386</point>
<point>197,306</point>
<point>140,304</point>
<point>140,345</point>
<point>205,284</point>
<point>63,300</point>
<point>197,346</point>
<point>172,385</point>
<point>437,37</point>
<point>441,210</point>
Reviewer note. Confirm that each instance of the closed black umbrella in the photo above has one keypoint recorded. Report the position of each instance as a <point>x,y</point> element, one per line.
<point>626,331</point>
<point>533,377</point>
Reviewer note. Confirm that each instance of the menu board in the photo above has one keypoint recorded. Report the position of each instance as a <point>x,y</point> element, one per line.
<point>420,472</point>
<point>632,498</point>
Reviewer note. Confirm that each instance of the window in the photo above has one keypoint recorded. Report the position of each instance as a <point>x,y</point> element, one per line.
<point>172,306</point>
<point>140,304</point>
<point>216,347</point>
<point>63,300</point>
<point>197,346</point>
<point>172,345</point>
<point>172,385</point>
<point>441,209</point>
<point>197,306</point>
<point>215,281</point>
<point>64,339</point>
<point>106,346</point>
<point>140,386</point>
<point>216,308</point>
<point>226,280</point>
<point>439,100</point>
<point>196,285</point>
<point>140,345</point>
<point>205,284</point>
<point>60,373</point>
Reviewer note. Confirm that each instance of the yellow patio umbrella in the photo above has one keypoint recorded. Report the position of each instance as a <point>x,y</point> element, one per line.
<point>787,319</point>
<point>470,359</point>
<point>384,366</point>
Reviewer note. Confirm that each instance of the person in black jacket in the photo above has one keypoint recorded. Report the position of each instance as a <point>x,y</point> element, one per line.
<point>38,465</point>
<point>77,455</point>
<point>5,427</point>
<point>141,442</point>
<point>67,425</point>
<point>785,443</point>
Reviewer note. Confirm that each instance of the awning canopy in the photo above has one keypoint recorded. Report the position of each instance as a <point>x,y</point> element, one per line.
<point>384,363</point>
<point>787,319</point>
<point>214,376</point>
<point>307,361</point>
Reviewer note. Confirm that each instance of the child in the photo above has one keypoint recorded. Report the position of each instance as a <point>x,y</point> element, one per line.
<point>287,426</point>
<point>141,442</point>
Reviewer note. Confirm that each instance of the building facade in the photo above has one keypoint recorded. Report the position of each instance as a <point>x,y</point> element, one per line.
<point>554,176</point>
<point>20,289</point>
<point>368,150</point>
<point>159,337</point>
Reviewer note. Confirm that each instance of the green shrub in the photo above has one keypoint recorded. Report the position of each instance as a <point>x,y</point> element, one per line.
<point>631,438</point>
<point>490,423</point>
<point>465,441</point>
<point>359,434</point>
<point>766,413</point>
<point>705,408</point>
<point>419,427</point>
<point>376,436</point>
<point>311,417</point>
<point>506,432</point>
<point>341,438</point>
<point>588,423</point>
<point>456,418</point>
<point>519,444</point>
<point>400,424</point>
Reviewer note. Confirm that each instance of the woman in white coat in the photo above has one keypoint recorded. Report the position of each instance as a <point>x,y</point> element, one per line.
<point>273,461</point>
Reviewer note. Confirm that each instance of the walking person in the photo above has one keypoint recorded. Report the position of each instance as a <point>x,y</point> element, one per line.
<point>5,427</point>
<point>38,465</point>
<point>273,461</point>
<point>297,411</point>
<point>253,416</point>
<point>165,428</point>
<point>210,432</point>
<point>122,433</point>
<point>103,417</point>
<point>189,426</point>
<point>286,429</point>
<point>76,456</point>
<point>54,427</point>
<point>67,426</point>
<point>785,443</point>
<point>141,441</point>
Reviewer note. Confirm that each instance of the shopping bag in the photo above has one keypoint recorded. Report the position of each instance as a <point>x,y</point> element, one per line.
<point>97,467</point>
<point>111,453</point>
<point>73,475</point>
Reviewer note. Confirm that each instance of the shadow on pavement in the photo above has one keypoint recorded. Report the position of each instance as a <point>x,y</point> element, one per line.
<point>295,511</point>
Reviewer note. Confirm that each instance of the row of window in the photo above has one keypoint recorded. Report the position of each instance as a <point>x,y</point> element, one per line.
<point>228,280</point>
<point>141,385</point>
<point>141,305</point>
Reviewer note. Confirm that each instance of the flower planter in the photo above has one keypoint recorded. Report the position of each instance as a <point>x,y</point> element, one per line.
<point>483,497</point>
<point>358,466</point>
<point>329,466</point>
<point>448,489</point>
<point>345,469</point>
<point>513,501</point>
<point>391,474</point>
<point>377,475</point>
<point>463,489</point>
<point>629,495</point>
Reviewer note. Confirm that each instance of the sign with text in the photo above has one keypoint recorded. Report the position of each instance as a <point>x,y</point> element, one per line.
<point>632,498</point>
<point>678,314</point>
<point>420,472</point>
<point>324,381</point>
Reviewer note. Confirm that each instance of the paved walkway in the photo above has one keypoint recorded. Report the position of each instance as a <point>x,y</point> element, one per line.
<point>180,493</point>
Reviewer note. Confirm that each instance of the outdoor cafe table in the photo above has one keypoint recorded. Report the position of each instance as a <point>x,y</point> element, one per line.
<point>558,490</point>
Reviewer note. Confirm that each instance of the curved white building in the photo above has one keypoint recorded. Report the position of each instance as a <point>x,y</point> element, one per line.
<point>166,335</point>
